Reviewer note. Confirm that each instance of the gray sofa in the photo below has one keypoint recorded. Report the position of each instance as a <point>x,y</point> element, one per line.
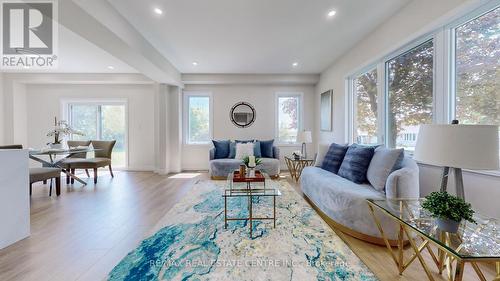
<point>344,202</point>
<point>220,168</point>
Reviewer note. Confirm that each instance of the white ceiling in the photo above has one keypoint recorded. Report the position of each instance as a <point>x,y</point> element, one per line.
<point>78,55</point>
<point>255,36</point>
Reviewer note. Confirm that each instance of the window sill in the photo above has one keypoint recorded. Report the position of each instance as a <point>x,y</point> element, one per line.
<point>288,144</point>
<point>198,144</point>
<point>466,171</point>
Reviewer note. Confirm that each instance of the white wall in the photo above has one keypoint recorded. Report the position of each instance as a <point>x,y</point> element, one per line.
<point>43,102</point>
<point>262,97</point>
<point>2,121</point>
<point>415,19</point>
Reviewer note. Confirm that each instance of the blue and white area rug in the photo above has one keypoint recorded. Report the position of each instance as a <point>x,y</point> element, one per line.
<point>191,243</point>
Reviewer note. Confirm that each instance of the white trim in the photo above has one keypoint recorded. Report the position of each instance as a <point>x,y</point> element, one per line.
<point>65,112</point>
<point>278,95</point>
<point>185,109</point>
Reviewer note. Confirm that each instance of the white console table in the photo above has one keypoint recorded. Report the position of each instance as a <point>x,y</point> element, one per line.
<point>14,196</point>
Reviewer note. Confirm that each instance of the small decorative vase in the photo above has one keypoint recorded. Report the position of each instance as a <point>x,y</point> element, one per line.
<point>56,145</point>
<point>243,170</point>
<point>448,225</point>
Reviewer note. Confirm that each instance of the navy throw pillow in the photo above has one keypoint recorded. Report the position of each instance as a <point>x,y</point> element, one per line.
<point>256,149</point>
<point>232,149</point>
<point>266,149</point>
<point>333,158</point>
<point>221,149</point>
<point>356,162</point>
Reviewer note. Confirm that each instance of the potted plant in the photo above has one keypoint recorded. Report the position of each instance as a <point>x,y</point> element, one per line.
<point>61,129</point>
<point>251,161</point>
<point>448,210</point>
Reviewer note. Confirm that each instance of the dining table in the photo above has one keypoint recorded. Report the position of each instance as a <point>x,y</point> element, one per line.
<point>56,157</point>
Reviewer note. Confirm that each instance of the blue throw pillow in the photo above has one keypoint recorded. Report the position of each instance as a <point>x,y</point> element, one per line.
<point>356,162</point>
<point>333,158</point>
<point>256,149</point>
<point>266,149</point>
<point>232,149</point>
<point>221,149</point>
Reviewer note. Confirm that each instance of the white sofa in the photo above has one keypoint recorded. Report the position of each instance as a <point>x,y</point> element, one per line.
<point>344,202</point>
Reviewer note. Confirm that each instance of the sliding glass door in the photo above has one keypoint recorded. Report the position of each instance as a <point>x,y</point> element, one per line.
<point>101,122</point>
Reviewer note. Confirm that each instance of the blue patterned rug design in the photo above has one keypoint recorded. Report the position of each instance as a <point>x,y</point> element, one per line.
<point>192,244</point>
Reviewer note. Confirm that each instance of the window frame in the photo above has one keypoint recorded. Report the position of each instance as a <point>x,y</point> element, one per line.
<point>66,105</point>
<point>444,92</point>
<point>186,96</point>
<point>351,103</point>
<point>300,122</point>
<point>400,52</point>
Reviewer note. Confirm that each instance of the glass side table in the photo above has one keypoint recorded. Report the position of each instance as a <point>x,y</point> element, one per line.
<point>295,166</point>
<point>473,243</point>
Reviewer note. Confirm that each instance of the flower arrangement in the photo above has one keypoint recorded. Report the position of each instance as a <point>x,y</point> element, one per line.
<point>61,129</point>
<point>251,161</point>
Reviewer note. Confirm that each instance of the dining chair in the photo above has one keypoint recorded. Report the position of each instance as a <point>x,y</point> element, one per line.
<point>41,173</point>
<point>66,164</point>
<point>102,158</point>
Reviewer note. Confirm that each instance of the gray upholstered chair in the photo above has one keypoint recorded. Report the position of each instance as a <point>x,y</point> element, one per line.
<point>102,158</point>
<point>44,174</point>
<point>41,174</point>
<point>66,164</point>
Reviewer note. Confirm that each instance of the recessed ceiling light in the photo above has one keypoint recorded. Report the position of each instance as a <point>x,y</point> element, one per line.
<point>158,11</point>
<point>332,13</point>
<point>111,67</point>
<point>295,64</point>
<point>195,63</point>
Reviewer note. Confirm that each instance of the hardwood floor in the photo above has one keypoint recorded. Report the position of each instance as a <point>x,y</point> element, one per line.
<point>85,232</point>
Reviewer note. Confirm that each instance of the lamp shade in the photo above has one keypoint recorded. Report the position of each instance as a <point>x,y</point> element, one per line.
<point>304,137</point>
<point>472,147</point>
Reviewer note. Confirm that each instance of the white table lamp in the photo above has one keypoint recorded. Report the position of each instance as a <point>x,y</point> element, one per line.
<point>458,147</point>
<point>303,138</point>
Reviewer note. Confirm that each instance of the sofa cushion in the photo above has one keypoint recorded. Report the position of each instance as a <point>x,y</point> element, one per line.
<point>266,148</point>
<point>243,150</point>
<point>333,158</point>
<point>221,148</point>
<point>232,149</point>
<point>356,162</point>
<point>320,156</point>
<point>383,163</point>
<point>256,149</point>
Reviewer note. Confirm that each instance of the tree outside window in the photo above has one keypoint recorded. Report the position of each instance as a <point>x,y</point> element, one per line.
<point>477,61</point>
<point>410,94</point>
<point>198,119</point>
<point>288,118</point>
<point>365,108</point>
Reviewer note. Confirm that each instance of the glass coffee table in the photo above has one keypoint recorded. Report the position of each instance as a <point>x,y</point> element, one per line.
<point>473,243</point>
<point>261,185</point>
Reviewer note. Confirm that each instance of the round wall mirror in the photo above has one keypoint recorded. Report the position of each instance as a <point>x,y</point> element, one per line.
<point>242,114</point>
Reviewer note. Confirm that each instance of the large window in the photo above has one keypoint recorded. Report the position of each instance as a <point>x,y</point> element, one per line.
<point>477,70</point>
<point>198,118</point>
<point>365,103</point>
<point>289,117</point>
<point>101,122</point>
<point>409,79</point>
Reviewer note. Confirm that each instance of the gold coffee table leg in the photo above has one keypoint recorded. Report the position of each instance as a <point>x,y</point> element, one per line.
<point>250,215</point>
<point>225,212</point>
<point>497,278</point>
<point>274,211</point>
